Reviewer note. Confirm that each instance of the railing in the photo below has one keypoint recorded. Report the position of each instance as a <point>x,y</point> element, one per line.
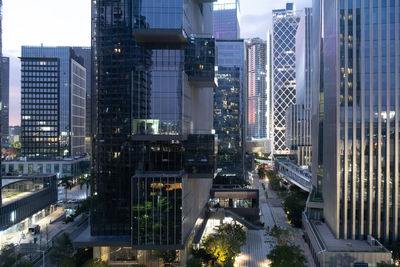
<point>295,175</point>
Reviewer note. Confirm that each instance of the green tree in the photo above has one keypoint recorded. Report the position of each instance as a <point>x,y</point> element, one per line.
<point>66,181</point>
<point>261,173</point>
<point>217,247</point>
<point>62,252</point>
<point>282,236</point>
<point>293,205</point>
<point>195,262</point>
<point>8,255</point>
<point>168,256</point>
<point>287,255</point>
<point>225,245</point>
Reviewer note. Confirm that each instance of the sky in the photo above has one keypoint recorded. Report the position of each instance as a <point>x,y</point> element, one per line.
<point>67,23</point>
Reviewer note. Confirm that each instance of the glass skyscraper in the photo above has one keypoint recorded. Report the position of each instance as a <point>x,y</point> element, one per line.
<point>357,117</point>
<point>153,147</point>
<point>285,23</point>
<point>227,19</point>
<point>229,104</point>
<point>257,93</point>
<point>53,102</point>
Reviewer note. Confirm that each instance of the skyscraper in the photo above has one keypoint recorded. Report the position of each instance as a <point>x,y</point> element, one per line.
<point>298,116</point>
<point>256,88</point>
<point>86,54</point>
<point>5,96</point>
<point>53,102</point>
<point>227,19</point>
<point>285,23</point>
<point>153,147</point>
<point>229,107</point>
<point>357,115</point>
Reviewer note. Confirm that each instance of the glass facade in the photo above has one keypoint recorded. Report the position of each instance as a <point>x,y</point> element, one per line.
<point>153,151</point>
<point>361,106</point>
<point>298,116</point>
<point>227,19</point>
<point>229,105</point>
<point>257,101</point>
<point>40,107</point>
<point>285,23</point>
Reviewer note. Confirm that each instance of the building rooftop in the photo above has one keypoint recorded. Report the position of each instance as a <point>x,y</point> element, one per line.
<point>345,245</point>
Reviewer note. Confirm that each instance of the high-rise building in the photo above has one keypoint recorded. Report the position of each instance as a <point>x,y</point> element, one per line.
<point>86,54</point>
<point>285,23</point>
<point>298,116</point>
<point>227,19</point>
<point>257,101</point>
<point>53,102</point>
<point>361,106</point>
<point>153,144</point>
<point>356,98</point>
<point>5,96</point>
<point>229,107</point>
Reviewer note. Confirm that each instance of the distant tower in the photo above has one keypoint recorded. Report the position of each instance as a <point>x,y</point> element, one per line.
<point>285,23</point>
<point>256,89</point>
<point>53,102</point>
<point>226,19</point>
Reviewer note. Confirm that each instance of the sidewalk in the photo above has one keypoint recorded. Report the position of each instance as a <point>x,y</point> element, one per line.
<point>280,219</point>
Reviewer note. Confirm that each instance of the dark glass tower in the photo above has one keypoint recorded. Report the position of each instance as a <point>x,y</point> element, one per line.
<point>153,147</point>
<point>229,104</point>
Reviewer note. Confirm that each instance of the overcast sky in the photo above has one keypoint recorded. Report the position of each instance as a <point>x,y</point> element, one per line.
<point>67,23</point>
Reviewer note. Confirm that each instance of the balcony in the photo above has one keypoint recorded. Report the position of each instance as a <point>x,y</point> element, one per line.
<point>200,61</point>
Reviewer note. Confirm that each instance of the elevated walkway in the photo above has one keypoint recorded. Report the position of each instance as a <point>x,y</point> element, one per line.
<point>294,174</point>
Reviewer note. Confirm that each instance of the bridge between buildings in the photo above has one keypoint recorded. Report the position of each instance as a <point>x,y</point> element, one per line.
<point>294,174</point>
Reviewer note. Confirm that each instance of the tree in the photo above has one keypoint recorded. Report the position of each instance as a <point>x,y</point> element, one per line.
<point>282,236</point>
<point>287,255</point>
<point>9,256</point>
<point>168,257</point>
<point>66,181</point>
<point>62,251</point>
<point>294,205</point>
<point>225,245</point>
<point>84,180</point>
<point>195,262</point>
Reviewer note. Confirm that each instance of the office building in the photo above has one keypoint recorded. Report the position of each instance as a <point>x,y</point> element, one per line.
<point>229,106</point>
<point>86,54</point>
<point>53,102</point>
<point>298,116</point>
<point>5,97</point>
<point>285,23</point>
<point>226,17</point>
<point>355,129</point>
<point>153,146</point>
<point>256,89</point>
